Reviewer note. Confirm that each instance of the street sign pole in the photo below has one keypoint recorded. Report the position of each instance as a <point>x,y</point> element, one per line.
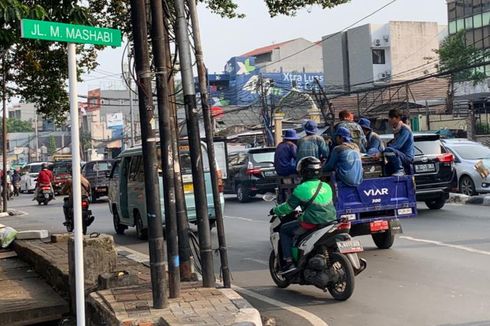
<point>76,184</point>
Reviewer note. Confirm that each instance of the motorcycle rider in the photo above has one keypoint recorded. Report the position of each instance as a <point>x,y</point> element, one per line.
<point>68,191</point>
<point>315,199</point>
<point>44,177</point>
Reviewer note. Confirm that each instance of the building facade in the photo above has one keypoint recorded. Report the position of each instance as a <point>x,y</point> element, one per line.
<point>472,16</point>
<point>376,54</point>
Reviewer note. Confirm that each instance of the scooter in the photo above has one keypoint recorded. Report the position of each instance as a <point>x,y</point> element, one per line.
<point>44,194</point>
<point>325,257</point>
<point>87,217</point>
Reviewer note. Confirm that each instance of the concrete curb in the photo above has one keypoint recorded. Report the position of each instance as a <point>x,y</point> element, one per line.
<point>483,200</point>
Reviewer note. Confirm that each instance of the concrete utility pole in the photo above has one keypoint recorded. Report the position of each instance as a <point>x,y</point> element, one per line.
<point>159,39</point>
<point>4,130</point>
<point>195,146</point>
<point>148,140</point>
<point>182,220</point>
<point>206,112</point>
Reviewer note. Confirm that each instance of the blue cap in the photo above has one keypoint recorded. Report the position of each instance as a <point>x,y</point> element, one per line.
<point>365,123</point>
<point>290,134</point>
<point>344,133</point>
<point>311,127</point>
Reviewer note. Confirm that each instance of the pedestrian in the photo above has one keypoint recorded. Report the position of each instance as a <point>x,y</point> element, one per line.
<point>347,121</point>
<point>400,151</point>
<point>345,159</point>
<point>312,144</point>
<point>374,144</point>
<point>285,155</point>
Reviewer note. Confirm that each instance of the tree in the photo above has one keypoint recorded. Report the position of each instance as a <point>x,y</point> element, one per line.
<point>52,146</point>
<point>455,54</point>
<point>16,125</point>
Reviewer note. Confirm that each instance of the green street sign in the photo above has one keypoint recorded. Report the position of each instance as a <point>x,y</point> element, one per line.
<point>50,31</point>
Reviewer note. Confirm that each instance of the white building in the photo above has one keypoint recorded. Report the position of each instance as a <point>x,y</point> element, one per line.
<point>366,55</point>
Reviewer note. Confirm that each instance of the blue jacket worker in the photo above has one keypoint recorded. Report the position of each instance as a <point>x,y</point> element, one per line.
<point>374,144</point>
<point>312,144</point>
<point>400,151</point>
<point>285,156</point>
<point>345,159</point>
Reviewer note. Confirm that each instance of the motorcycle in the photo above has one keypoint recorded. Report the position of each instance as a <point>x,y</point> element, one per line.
<point>87,217</point>
<point>325,257</point>
<point>44,194</point>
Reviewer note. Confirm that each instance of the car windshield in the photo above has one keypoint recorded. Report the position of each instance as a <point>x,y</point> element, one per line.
<point>263,157</point>
<point>35,168</point>
<point>428,147</point>
<point>103,166</point>
<point>472,151</point>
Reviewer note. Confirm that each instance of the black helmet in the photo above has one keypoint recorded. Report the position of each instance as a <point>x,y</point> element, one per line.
<point>44,166</point>
<point>309,167</point>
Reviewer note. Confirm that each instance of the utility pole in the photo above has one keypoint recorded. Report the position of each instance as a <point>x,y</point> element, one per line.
<point>148,140</point>
<point>159,39</point>
<point>131,110</point>
<point>4,130</point>
<point>182,220</point>
<point>195,146</point>
<point>201,71</point>
<point>37,138</point>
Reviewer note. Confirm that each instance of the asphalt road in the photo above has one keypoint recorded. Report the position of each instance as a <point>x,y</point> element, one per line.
<point>437,272</point>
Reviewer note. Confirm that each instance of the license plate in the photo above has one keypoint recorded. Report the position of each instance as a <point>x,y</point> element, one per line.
<point>430,167</point>
<point>346,247</point>
<point>269,173</point>
<point>188,187</point>
<point>101,189</point>
<point>377,226</point>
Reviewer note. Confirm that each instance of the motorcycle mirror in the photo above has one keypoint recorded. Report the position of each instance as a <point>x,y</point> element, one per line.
<point>269,196</point>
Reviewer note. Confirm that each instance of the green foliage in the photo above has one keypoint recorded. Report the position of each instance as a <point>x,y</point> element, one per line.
<point>482,128</point>
<point>16,125</point>
<point>454,54</point>
<point>51,145</point>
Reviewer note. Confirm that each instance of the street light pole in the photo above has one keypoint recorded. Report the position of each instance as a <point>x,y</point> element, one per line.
<point>201,71</point>
<point>195,145</point>
<point>148,140</point>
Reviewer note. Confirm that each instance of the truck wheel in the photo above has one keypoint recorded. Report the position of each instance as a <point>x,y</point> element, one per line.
<point>242,194</point>
<point>120,228</point>
<point>383,240</point>
<point>141,232</point>
<point>435,203</point>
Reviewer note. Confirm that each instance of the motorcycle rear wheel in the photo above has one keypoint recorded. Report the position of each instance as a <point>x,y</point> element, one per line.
<point>344,287</point>
<point>275,268</point>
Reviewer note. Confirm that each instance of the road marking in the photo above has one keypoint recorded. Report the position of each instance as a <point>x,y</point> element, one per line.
<point>311,318</point>
<point>259,261</point>
<point>245,219</point>
<point>448,245</point>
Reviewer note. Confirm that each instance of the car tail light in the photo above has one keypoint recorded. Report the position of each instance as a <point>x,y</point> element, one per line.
<point>251,170</point>
<point>84,204</point>
<point>343,226</point>
<point>45,188</point>
<point>221,187</point>
<point>445,158</point>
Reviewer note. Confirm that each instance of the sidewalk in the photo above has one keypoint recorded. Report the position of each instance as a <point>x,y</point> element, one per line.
<point>457,198</point>
<point>132,305</point>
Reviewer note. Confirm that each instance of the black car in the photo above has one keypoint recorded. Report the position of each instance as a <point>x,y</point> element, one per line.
<point>434,170</point>
<point>97,173</point>
<point>251,172</point>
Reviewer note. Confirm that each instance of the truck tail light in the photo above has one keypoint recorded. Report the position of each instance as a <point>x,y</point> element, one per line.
<point>445,158</point>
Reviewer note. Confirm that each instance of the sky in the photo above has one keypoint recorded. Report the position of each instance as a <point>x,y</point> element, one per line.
<point>224,38</point>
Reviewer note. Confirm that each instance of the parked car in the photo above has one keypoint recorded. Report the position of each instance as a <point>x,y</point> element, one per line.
<point>127,201</point>
<point>434,170</point>
<point>251,172</point>
<point>97,173</point>
<point>467,153</point>
<point>29,175</point>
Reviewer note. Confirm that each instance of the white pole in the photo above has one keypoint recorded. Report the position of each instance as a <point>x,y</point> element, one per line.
<point>77,191</point>
<point>131,111</point>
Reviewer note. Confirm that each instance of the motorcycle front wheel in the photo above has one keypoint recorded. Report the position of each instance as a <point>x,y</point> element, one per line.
<point>275,268</point>
<point>342,288</point>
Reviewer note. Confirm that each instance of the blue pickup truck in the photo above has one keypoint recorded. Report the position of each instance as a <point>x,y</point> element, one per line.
<point>374,207</point>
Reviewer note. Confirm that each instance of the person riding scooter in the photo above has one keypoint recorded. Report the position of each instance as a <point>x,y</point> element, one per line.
<point>44,178</point>
<point>316,201</point>
<point>68,201</point>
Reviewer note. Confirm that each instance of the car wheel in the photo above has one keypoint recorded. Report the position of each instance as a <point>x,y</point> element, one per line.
<point>141,232</point>
<point>243,194</point>
<point>435,203</point>
<point>467,186</point>
<point>120,228</point>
